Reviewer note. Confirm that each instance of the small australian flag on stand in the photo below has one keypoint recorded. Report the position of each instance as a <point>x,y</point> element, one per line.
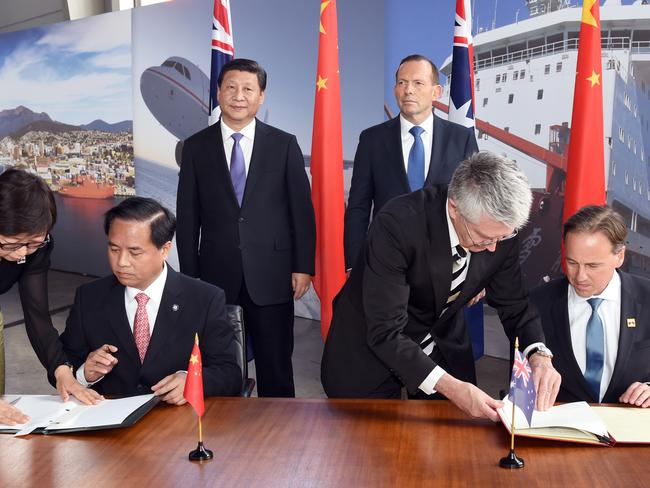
<point>522,387</point>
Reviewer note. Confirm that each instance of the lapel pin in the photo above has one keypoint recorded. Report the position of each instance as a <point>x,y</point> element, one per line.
<point>175,307</point>
<point>631,323</point>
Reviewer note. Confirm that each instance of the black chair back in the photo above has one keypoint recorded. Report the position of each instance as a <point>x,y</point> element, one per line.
<point>236,318</point>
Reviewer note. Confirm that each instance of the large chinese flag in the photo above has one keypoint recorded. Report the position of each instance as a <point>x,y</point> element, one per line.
<point>193,392</point>
<point>327,167</point>
<point>585,181</point>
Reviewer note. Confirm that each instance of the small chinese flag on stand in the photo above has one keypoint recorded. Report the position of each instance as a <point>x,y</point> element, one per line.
<point>193,393</point>
<point>194,383</point>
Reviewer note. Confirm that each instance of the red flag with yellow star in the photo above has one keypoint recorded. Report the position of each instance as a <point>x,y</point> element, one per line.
<point>585,180</point>
<point>193,392</point>
<point>327,167</point>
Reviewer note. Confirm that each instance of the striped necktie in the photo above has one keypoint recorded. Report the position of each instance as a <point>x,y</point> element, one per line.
<point>458,275</point>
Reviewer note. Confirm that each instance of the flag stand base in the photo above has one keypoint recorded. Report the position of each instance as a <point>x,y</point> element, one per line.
<point>200,453</point>
<point>511,461</point>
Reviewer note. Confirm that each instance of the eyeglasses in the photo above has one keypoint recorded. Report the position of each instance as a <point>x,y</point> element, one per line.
<point>487,242</point>
<point>14,246</point>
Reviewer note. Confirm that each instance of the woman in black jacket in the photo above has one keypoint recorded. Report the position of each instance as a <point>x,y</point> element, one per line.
<point>27,214</point>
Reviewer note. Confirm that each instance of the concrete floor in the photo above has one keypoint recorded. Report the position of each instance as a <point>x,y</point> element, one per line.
<point>24,374</point>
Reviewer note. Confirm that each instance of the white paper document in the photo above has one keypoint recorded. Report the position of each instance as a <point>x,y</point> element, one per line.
<point>577,415</point>
<point>49,413</point>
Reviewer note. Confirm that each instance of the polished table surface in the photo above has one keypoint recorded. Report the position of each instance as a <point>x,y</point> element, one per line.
<point>309,443</point>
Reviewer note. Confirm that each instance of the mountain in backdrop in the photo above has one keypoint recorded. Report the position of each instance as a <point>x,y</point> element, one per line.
<point>12,120</point>
<point>44,126</point>
<point>98,124</point>
<point>19,121</point>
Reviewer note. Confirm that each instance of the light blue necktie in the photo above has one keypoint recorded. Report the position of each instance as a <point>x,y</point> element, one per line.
<point>415,170</point>
<point>237,167</point>
<point>595,348</point>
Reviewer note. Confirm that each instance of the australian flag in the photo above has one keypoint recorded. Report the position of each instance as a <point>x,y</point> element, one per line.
<point>461,94</point>
<point>522,387</point>
<point>223,50</point>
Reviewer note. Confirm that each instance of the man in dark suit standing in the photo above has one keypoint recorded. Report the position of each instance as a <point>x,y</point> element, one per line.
<point>133,332</point>
<point>597,318</point>
<point>398,319</point>
<point>401,155</point>
<point>246,221</point>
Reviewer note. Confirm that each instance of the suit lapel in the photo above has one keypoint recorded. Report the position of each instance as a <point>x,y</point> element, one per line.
<point>116,314</point>
<point>220,169</point>
<point>169,311</point>
<point>438,145</point>
<point>394,154</point>
<point>258,160</point>
<point>440,260</point>
<point>630,308</point>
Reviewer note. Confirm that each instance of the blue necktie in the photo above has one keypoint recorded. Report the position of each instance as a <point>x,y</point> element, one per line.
<point>595,348</point>
<point>237,167</point>
<point>415,169</point>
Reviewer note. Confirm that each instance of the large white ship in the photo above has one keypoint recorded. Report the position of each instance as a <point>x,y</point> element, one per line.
<point>524,81</point>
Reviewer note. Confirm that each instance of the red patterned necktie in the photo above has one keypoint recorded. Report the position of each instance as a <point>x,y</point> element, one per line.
<point>141,332</point>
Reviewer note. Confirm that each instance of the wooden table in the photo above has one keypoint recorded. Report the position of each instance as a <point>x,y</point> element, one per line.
<point>309,443</point>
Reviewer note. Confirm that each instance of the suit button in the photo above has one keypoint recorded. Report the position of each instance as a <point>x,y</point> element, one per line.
<point>241,219</point>
<point>140,388</point>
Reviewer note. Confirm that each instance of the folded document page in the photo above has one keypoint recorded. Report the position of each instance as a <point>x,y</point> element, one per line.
<point>48,414</point>
<point>580,422</point>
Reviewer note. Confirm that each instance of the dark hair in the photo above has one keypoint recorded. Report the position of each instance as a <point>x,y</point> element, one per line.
<point>595,218</point>
<point>26,204</point>
<point>139,209</point>
<point>419,57</point>
<point>248,65</point>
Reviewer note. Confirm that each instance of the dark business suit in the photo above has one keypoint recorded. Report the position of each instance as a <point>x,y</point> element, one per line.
<point>251,251</point>
<point>188,306</point>
<point>379,173</point>
<point>396,292</point>
<point>32,286</point>
<point>633,357</point>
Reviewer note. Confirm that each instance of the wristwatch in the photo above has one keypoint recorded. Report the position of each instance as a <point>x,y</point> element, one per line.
<point>542,350</point>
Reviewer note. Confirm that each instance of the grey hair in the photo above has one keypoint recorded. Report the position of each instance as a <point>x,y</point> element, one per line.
<point>491,185</point>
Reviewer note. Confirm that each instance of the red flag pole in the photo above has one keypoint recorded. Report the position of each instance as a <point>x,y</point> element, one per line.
<point>327,167</point>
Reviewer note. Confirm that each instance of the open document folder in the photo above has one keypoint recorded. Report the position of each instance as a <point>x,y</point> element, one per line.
<point>580,422</point>
<point>49,415</point>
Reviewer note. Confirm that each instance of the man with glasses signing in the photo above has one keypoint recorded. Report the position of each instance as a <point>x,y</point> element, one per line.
<point>398,320</point>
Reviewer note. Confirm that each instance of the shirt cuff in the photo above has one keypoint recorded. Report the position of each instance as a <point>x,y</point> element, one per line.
<point>81,377</point>
<point>531,347</point>
<point>430,382</point>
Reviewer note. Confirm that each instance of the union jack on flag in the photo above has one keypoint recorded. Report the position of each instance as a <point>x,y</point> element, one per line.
<point>223,50</point>
<point>522,387</point>
<point>461,94</point>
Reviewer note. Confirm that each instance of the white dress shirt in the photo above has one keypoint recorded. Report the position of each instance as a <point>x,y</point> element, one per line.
<point>408,140</point>
<point>246,142</point>
<point>610,315</point>
<point>154,291</point>
<point>429,383</point>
